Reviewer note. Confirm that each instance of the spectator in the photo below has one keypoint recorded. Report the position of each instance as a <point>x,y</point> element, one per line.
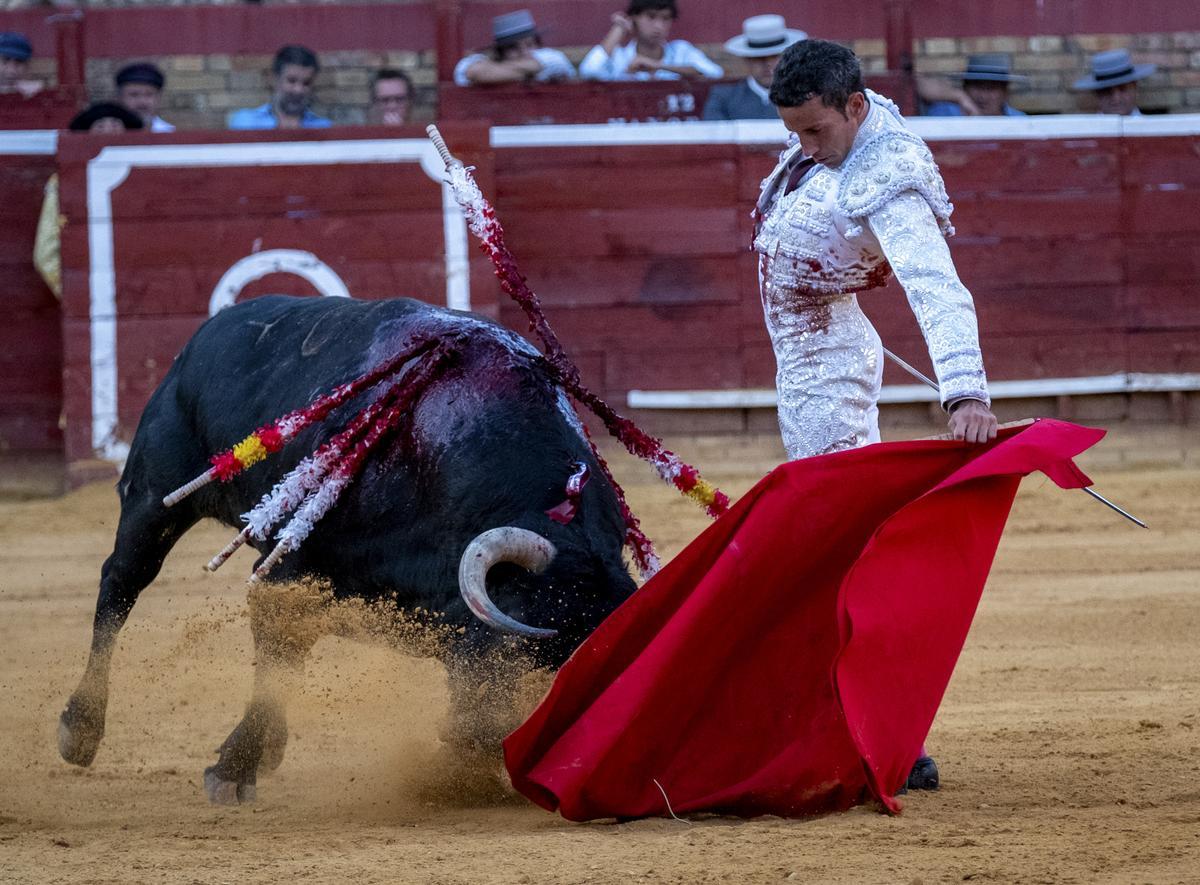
<point>984,91</point>
<point>391,97</point>
<point>1114,79</point>
<point>648,53</point>
<point>105,116</point>
<point>517,56</point>
<point>47,244</point>
<point>15,51</point>
<point>139,88</point>
<point>292,74</point>
<point>763,39</point>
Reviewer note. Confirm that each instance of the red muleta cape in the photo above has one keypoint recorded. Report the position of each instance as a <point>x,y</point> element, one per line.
<point>791,659</point>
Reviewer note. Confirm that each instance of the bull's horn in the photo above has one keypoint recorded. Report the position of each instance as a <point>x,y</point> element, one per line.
<point>505,544</point>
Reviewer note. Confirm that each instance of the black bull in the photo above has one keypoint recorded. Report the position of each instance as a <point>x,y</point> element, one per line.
<point>490,443</point>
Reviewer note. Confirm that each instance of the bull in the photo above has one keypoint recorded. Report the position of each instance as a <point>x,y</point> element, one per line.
<point>449,517</point>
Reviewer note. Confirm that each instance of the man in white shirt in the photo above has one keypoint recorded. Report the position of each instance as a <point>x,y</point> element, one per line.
<point>517,56</point>
<point>637,48</point>
<point>139,88</point>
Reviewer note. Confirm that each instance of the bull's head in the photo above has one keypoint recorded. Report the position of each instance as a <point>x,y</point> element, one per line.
<point>505,544</point>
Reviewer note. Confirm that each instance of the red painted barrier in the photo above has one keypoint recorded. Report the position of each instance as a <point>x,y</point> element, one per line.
<point>1079,251</point>
<point>30,335</point>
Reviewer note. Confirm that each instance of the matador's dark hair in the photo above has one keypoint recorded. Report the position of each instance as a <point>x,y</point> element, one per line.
<point>816,68</point>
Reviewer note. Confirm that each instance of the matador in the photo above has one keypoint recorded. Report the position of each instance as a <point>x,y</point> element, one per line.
<point>857,198</point>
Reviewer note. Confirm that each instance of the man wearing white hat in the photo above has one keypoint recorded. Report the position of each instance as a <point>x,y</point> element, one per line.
<point>1114,79</point>
<point>517,56</point>
<point>762,41</point>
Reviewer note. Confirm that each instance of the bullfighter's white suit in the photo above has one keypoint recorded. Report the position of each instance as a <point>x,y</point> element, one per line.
<point>842,230</point>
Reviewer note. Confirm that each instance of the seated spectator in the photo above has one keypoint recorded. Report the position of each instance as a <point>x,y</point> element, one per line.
<point>104,116</point>
<point>517,56</point>
<point>648,53</point>
<point>139,88</point>
<point>984,91</point>
<point>1114,79</point>
<point>292,74</point>
<point>15,51</point>
<point>762,41</point>
<point>391,98</point>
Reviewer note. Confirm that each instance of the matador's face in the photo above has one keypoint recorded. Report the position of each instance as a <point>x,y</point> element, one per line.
<point>826,134</point>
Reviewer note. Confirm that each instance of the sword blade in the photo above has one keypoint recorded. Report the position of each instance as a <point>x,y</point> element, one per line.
<point>916,373</point>
<point>1103,500</point>
<point>920,376</point>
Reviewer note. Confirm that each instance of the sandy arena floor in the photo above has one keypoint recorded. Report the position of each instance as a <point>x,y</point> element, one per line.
<point>1068,741</point>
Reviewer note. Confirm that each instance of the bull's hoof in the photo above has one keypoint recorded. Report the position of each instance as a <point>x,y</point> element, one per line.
<point>77,740</point>
<point>227,792</point>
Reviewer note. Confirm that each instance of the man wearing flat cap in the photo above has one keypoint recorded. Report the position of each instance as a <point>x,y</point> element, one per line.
<point>517,56</point>
<point>762,41</point>
<point>15,51</point>
<point>139,88</point>
<point>1114,79</point>
<point>985,85</point>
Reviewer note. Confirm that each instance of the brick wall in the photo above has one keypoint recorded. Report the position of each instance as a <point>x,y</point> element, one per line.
<point>202,90</point>
<point>1053,63</point>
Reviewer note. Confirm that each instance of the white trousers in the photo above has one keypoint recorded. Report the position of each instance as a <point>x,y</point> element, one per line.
<point>828,379</point>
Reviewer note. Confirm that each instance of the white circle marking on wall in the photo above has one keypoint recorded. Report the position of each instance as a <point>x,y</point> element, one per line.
<point>256,266</point>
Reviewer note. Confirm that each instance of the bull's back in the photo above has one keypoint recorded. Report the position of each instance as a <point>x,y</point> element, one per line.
<point>260,359</point>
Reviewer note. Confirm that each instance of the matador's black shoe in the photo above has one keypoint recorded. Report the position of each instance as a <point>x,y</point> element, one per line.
<point>924,775</point>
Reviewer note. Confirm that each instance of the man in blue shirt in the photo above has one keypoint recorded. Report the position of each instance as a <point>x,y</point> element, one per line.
<point>292,74</point>
<point>985,85</point>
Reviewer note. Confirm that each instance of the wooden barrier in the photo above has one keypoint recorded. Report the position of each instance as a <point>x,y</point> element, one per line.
<point>1075,236</point>
<point>31,333</point>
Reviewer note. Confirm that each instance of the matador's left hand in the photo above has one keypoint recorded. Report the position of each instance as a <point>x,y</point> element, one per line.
<point>972,421</point>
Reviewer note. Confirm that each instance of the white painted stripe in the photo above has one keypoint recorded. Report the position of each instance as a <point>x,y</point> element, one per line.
<point>601,134</point>
<point>28,142</point>
<point>764,398</point>
<point>771,132</point>
<point>112,165</point>
<point>260,264</point>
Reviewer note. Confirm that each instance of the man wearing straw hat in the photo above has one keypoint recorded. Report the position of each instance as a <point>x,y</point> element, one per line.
<point>1114,79</point>
<point>985,85</point>
<point>762,41</point>
<point>517,56</point>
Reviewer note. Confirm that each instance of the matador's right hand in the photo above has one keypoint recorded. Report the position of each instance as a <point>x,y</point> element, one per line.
<point>972,421</point>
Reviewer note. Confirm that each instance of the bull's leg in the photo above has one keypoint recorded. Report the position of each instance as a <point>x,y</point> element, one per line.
<point>146,533</point>
<point>286,622</point>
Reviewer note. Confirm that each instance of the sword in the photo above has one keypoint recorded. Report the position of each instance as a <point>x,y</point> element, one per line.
<point>921,376</point>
